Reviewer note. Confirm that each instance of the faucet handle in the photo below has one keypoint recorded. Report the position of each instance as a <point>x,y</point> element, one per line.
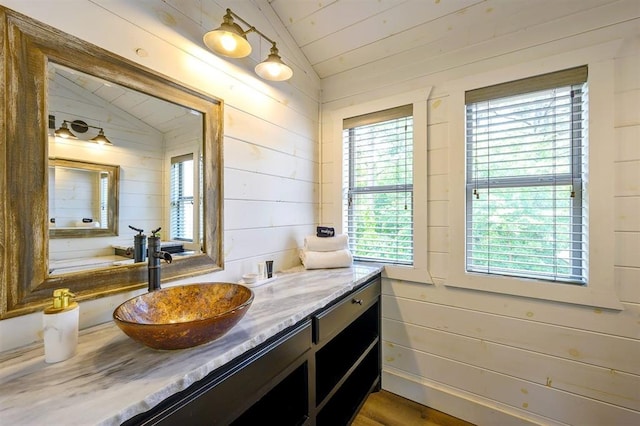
<point>140,231</point>
<point>154,232</point>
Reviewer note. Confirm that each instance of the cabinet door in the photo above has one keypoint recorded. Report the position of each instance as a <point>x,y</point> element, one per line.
<point>223,396</point>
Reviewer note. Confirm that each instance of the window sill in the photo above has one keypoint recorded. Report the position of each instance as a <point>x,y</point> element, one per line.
<point>548,291</point>
<point>407,273</point>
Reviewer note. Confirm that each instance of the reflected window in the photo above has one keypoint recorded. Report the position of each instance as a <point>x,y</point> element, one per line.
<point>104,198</point>
<point>182,190</point>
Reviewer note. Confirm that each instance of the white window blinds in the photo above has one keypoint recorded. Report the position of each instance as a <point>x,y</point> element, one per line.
<point>526,151</point>
<point>181,198</point>
<point>104,200</point>
<point>378,175</point>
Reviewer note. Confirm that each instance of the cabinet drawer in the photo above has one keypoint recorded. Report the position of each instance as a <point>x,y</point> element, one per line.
<point>336,318</point>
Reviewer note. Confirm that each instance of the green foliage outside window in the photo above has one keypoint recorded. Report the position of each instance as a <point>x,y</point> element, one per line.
<point>379,176</point>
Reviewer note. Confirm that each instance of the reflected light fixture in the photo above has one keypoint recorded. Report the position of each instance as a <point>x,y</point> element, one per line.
<point>81,127</point>
<point>101,139</point>
<point>64,132</point>
<point>230,40</point>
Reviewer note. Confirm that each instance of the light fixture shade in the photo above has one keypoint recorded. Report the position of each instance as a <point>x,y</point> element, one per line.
<point>101,139</point>
<point>228,40</point>
<point>64,132</point>
<point>273,68</point>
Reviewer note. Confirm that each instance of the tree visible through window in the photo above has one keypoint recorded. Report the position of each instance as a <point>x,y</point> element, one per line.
<point>378,175</point>
<point>526,145</point>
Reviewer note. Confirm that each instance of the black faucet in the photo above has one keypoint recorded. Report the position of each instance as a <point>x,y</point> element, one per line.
<point>155,255</point>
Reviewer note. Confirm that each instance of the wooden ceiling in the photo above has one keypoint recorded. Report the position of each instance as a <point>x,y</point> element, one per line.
<point>340,35</point>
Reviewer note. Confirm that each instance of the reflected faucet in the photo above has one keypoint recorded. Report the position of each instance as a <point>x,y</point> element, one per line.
<point>155,255</point>
<point>139,245</point>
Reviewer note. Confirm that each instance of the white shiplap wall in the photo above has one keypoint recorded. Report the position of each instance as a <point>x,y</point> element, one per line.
<point>271,152</point>
<point>491,358</point>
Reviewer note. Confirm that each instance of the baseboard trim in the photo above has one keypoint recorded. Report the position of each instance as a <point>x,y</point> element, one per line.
<point>458,403</point>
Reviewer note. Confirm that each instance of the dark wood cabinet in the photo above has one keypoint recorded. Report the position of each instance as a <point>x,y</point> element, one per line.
<point>347,355</point>
<point>319,371</point>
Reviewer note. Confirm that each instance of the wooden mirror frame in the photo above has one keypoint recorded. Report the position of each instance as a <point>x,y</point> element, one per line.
<point>111,227</point>
<point>27,46</point>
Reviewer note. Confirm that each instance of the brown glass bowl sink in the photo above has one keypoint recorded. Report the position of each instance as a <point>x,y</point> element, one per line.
<point>183,316</point>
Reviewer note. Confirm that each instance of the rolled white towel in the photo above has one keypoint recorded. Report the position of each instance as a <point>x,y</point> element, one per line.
<point>338,242</point>
<point>326,259</point>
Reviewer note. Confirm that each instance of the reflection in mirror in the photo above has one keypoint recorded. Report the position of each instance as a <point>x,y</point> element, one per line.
<point>83,203</point>
<point>157,146</point>
<point>83,199</point>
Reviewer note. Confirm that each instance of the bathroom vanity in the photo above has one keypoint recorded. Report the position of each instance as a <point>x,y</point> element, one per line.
<point>307,352</point>
<point>317,372</point>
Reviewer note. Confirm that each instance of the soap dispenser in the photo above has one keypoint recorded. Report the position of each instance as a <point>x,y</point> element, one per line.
<point>60,322</point>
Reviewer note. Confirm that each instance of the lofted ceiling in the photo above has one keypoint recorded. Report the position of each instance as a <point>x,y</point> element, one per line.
<point>138,109</point>
<point>347,36</point>
<point>340,35</point>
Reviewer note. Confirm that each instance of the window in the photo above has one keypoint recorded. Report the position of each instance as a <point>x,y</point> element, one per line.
<point>337,190</point>
<point>182,192</point>
<point>526,168</point>
<point>378,176</point>
<point>104,199</point>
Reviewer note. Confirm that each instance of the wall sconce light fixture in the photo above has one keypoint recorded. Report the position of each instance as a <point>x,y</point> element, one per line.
<point>230,40</point>
<point>80,126</point>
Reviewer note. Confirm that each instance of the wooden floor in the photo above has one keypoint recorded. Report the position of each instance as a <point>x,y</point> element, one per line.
<point>388,409</point>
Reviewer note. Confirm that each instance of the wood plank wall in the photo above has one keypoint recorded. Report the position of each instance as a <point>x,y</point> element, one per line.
<point>491,358</point>
<point>271,147</point>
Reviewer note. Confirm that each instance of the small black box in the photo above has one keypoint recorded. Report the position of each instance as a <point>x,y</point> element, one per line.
<point>324,231</point>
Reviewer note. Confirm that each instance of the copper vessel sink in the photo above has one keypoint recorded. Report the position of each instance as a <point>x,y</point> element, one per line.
<point>183,316</point>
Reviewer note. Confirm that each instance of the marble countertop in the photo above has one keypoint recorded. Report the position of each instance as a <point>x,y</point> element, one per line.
<point>71,265</point>
<point>112,378</point>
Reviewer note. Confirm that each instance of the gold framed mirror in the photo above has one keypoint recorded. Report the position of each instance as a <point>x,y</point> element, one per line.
<point>28,48</point>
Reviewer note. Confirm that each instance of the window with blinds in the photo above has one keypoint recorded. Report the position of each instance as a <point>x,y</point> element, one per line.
<point>181,198</point>
<point>200,198</point>
<point>104,200</point>
<point>378,175</point>
<point>526,152</point>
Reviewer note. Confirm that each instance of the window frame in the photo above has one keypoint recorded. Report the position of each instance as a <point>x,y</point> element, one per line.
<point>180,199</point>
<point>195,152</point>
<point>600,291</point>
<point>104,199</point>
<point>571,81</point>
<point>355,191</point>
<point>332,206</point>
